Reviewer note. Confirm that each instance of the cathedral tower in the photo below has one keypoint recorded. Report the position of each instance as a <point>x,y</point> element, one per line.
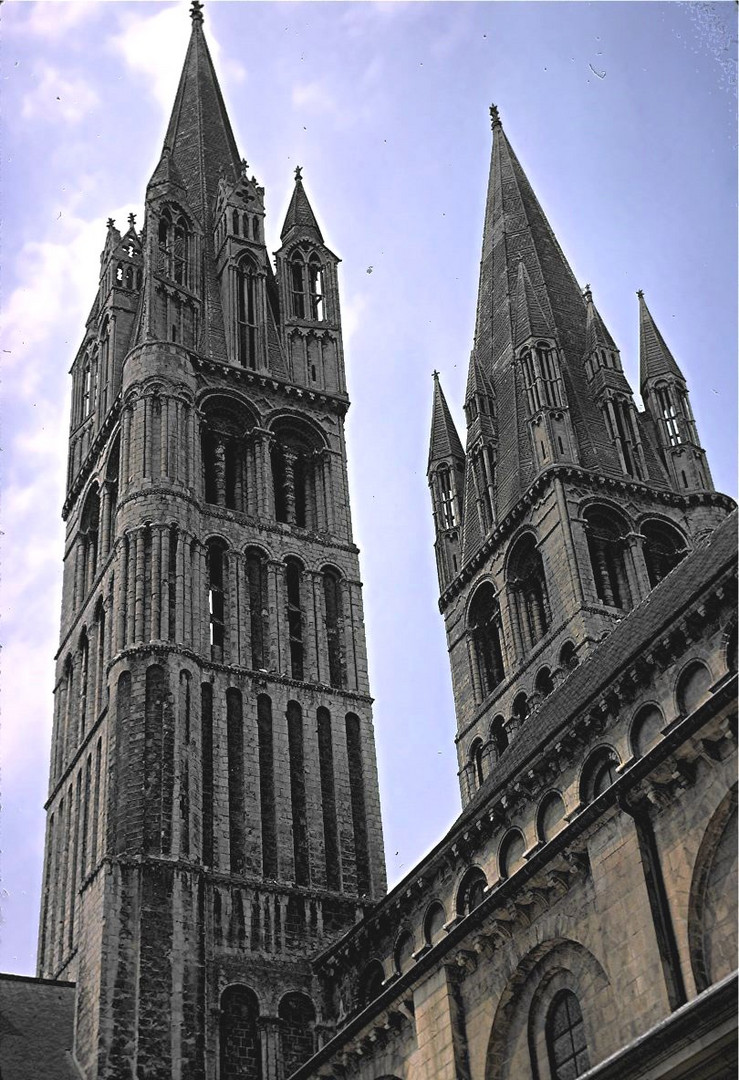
<point>575,503</point>
<point>213,813</point>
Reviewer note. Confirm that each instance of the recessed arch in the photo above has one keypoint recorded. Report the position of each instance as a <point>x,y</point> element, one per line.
<point>527,590</point>
<point>403,950</point>
<point>511,853</point>
<point>598,773</point>
<point>486,633</point>
<point>434,922</point>
<point>297,1014</point>
<point>664,546</point>
<point>471,891</point>
<point>646,729</point>
<point>239,1037</point>
<point>712,927</point>
<point>370,983</point>
<point>607,530</point>
<point>693,687</point>
<point>550,817</point>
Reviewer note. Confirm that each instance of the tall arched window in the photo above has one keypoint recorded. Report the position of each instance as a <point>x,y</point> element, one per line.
<point>447,512</point>
<point>328,798</point>
<point>165,244</point>
<point>297,475</point>
<point>476,751</point>
<point>565,1037</point>
<point>606,534</point>
<point>247,314</point>
<point>486,631</point>
<point>297,1031</point>
<point>236,802</point>
<point>434,922</point>
<point>112,482</point>
<point>498,735</point>
<point>88,539</point>
<point>216,597</point>
<point>528,592</point>
<point>174,247</point>
<point>297,793</point>
<point>297,286</point>
<point>180,252</point>
<point>256,581</point>
<point>293,588</point>
<point>358,804</point>
<point>370,984</point>
<point>228,458</point>
<point>315,286</point>
<point>240,1049</point>
<point>664,548</point>
<point>334,625</point>
<point>86,396</point>
<point>623,430</point>
<point>512,850</point>
<point>267,786</point>
<point>541,377</point>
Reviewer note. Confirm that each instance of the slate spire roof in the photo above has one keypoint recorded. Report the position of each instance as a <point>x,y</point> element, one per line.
<point>596,331</point>
<point>655,358</point>
<point>300,212</point>
<point>445,444</point>
<point>199,145</point>
<point>527,288</point>
<point>528,318</point>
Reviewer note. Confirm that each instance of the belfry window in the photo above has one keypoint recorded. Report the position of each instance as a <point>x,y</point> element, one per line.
<point>296,475</point>
<point>216,598</point>
<point>315,281</point>
<point>247,314</point>
<point>86,404</point>
<point>541,377</point>
<point>528,593</point>
<point>446,498</point>
<point>620,417</point>
<point>664,548</point>
<point>607,546</point>
<point>565,1038</point>
<point>174,242</point>
<point>668,415</point>
<point>486,632</point>
<point>227,455</point>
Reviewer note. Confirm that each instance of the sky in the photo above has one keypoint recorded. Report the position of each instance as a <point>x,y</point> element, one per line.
<point>623,116</point>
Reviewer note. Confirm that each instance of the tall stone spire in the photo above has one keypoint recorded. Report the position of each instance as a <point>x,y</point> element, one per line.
<point>655,358</point>
<point>199,136</point>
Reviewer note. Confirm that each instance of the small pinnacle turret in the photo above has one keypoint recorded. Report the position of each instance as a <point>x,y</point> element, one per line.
<point>655,358</point>
<point>529,321</point>
<point>300,212</point>
<point>445,444</point>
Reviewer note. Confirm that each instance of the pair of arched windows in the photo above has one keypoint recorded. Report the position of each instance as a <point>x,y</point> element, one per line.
<point>174,242</point>
<point>541,377</point>
<point>240,1033</point>
<point>529,599</point>
<point>307,297</point>
<point>608,544</point>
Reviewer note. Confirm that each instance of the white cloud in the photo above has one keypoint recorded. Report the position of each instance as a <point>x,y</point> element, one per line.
<point>52,19</point>
<point>154,46</point>
<point>352,310</point>
<point>56,96</point>
<point>314,97</point>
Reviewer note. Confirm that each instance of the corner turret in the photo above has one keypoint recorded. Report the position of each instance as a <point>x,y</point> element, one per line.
<point>445,474</point>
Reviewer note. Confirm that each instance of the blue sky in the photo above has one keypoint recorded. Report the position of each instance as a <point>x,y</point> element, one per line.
<point>623,116</point>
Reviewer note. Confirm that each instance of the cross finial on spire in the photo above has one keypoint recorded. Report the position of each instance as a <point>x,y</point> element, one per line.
<point>640,293</point>
<point>494,117</point>
<point>435,375</point>
<point>298,172</point>
<point>132,220</point>
<point>588,294</point>
<point>111,223</point>
<point>196,13</point>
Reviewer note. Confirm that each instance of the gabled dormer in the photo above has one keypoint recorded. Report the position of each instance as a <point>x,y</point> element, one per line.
<point>612,393</point>
<point>309,298</point>
<point>539,375</point>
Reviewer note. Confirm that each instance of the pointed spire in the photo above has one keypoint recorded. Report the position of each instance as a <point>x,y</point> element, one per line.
<point>478,384</point>
<point>300,212</point>
<point>528,318</point>
<point>655,358</point>
<point>516,230</point>
<point>596,332</point>
<point>445,443</point>
<point>199,136</point>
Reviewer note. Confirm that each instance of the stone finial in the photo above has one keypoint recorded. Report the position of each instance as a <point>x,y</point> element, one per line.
<point>196,13</point>
<point>110,223</point>
<point>640,293</point>
<point>494,117</point>
<point>131,220</point>
<point>435,375</point>
<point>298,172</point>
<point>588,294</point>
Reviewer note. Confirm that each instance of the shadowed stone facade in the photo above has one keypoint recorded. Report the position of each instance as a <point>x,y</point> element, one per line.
<point>214,890</point>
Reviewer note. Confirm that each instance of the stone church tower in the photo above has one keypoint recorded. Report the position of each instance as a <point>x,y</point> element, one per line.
<point>568,505</point>
<point>213,814</point>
